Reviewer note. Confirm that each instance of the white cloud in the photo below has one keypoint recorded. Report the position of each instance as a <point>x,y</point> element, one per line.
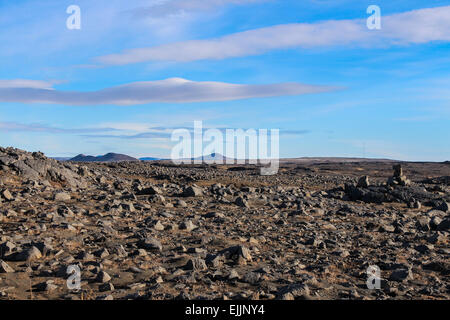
<point>418,26</point>
<point>412,27</point>
<point>127,126</point>
<point>176,7</point>
<point>25,83</point>
<point>174,90</point>
<point>10,126</point>
<point>103,21</point>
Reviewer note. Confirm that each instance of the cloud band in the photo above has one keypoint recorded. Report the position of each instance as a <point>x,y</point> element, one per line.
<point>174,90</point>
<point>412,27</point>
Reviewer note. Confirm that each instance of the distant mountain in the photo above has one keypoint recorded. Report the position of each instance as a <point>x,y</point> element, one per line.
<point>61,158</point>
<point>214,157</point>
<point>150,159</point>
<point>109,157</point>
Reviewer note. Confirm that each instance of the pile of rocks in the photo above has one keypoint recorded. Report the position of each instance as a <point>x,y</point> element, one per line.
<point>398,178</point>
<point>397,189</point>
<point>36,167</point>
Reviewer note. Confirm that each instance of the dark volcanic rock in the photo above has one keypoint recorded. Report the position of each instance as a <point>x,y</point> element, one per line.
<point>383,194</point>
<point>371,194</point>
<point>300,234</point>
<point>294,292</point>
<point>150,244</point>
<point>192,191</point>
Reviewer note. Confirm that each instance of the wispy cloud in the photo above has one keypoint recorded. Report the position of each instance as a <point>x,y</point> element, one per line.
<point>177,7</point>
<point>294,132</point>
<point>127,126</point>
<point>174,90</point>
<point>412,27</point>
<point>166,132</point>
<point>21,127</point>
<point>25,83</point>
<point>144,135</point>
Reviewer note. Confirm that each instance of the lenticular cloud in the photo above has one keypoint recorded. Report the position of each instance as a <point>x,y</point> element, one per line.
<point>174,90</point>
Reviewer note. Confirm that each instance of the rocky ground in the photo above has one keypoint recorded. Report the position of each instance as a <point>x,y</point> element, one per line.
<point>141,230</point>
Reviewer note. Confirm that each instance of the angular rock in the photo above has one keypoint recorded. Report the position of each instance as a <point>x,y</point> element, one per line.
<point>297,291</point>
<point>150,244</point>
<point>149,191</point>
<point>30,254</point>
<point>62,196</point>
<point>5,268</point>
<point>188,226</point>
<point>196,264</point>
<point>401,275</point>
<point>106,287</point>
<point>241,202</point>
<point>444,225</point>
<point>7,195</point>
<point>363,182</point>
<point>102,277</point>
<point>192,191</point>
<point>240,254</point>
<point>443,206</point>
<point>423,224</point>
<point>252,278</point>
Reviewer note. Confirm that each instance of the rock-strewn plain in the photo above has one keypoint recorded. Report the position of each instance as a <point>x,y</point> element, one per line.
<point>153,230</point>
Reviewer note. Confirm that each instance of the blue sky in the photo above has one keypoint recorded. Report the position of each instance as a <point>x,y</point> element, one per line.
<point>309,68</point>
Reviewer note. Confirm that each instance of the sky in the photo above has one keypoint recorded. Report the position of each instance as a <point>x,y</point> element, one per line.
<point>136,70</point>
